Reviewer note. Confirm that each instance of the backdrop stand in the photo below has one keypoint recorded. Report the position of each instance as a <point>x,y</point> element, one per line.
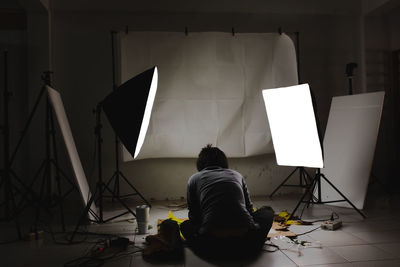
<point>304,180</point>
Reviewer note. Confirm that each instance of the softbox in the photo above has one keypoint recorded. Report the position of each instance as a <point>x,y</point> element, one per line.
<point>128,109</point>
<point>293,127</point>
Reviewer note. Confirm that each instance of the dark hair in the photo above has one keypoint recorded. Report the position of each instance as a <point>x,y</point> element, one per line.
<point>211,156</point>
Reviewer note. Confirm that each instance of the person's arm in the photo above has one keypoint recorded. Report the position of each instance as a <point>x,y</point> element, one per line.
<point>249,205</point>
<point>193,203</point>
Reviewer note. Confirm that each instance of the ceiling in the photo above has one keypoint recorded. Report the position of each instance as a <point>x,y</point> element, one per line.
<point>204,6</point>
<point>211,6</point>
<point>328,7</point>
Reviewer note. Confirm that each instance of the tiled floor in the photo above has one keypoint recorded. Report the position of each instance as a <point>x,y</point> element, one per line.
<point>374,241</point>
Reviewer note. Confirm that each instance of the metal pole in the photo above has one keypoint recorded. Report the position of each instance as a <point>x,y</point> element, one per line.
<point>99,158</point>
<point>6,138</point>
<point>8,187</point>
<point>298,55</point>
<point>117,171</point>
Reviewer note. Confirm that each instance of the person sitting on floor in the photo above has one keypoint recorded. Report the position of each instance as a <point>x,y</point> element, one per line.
<point>222,222</point>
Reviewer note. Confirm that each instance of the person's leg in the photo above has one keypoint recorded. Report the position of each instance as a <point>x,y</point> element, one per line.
<point>264,216</point>
<point>188,230</point>
<point>256,238</point>
<point>202,245</point>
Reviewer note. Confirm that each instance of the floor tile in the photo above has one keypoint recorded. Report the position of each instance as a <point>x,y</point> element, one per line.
<point>393,248</point>
<point>119,262</point>
<point>22,254</point>
<point>192,259</point>
<point>137,260</point>
<point>379,236</point>
<point>362,253</point>
<point>383,263</point>
<point>333,265</point>
<point>301,229</point>
<point>370,242</point>
<point>265,258</point>
<point>335,238</point>
<point>370,226</point>
<point>270,259</point>
<point>314,256</point>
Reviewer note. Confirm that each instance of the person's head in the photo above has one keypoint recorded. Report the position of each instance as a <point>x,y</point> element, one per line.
<point>211,156</point>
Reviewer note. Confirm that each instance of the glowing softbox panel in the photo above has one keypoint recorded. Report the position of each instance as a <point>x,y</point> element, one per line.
<point>293,128</point>
<point>128,108</point>
<point>349,146</point>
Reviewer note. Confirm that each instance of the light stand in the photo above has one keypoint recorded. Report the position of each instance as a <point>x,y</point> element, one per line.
<point>316,182</point>
<point>10,207</point>
<point>128,111</point>
<point>293,130</point>
<point>118,173</point>
<point>304,180</point>
<point>101,187</point>
<point>46,199</point>
<point>304,177</point>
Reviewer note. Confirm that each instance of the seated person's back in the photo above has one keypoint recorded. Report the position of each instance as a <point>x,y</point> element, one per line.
<point>221,216</point>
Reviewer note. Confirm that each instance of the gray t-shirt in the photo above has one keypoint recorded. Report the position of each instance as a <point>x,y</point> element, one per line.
<point>218,198</point>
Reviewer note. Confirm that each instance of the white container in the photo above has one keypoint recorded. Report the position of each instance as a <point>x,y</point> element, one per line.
<point>142,218</point>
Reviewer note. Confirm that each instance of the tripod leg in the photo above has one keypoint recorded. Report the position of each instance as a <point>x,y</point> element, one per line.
<point>343,196</point>
<point>35,177</point>
<point>307,177</point>
<point>303,177</point>
<point>10,196</point>
<point>83,215</point>
<point>66,178</point>
<point>60,199</point>
<point>137,192</point>
<point>284,181</point>
<point>302,198</point>
<point>72,188</point>
<point>109,181</point>
<point>115,192</point>
<point>40,199</point>
<point>122,202</point>
<point>24,195</point>
<point>312,189</point>
<point>16,219</point>
<point>116,186</point>
<point>24,131</point>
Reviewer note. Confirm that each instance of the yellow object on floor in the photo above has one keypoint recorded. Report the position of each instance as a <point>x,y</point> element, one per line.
<point>285,217</point>
<point>172,217</point>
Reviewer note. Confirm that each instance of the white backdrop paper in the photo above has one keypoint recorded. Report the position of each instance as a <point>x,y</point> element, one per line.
<point>79,173</point>
<point>209,89</point>
<point>349,146</point>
